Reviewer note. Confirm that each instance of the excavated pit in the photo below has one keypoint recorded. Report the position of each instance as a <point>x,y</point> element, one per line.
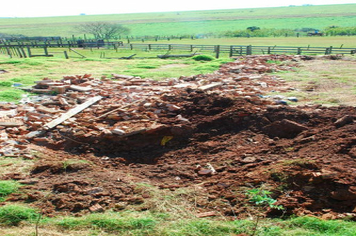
<point>301,153</point>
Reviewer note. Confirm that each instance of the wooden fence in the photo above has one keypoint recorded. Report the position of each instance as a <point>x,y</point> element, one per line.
<point>24,50</point>
<point>237,50</point>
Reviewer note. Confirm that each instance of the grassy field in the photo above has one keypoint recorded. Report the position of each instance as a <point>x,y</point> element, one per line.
<point>191,22</point>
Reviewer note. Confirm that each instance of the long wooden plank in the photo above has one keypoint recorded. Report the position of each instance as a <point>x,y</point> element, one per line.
<point>72,112</point>
<point>210,86</point>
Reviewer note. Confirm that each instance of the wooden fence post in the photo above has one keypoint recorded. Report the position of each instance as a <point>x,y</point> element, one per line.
<point>14,51</point>
<point>9,52</point>
<point>131,46</point>
<point>249,50</point>
<point>269,50</point>
<point>66,55</point>
<point>45,50</point>
<point>231,51</point>
<point>19,52</point>
<point>299,51</point>
<point>23,52</point>
<point>29,51</point>
<point>217,51</point>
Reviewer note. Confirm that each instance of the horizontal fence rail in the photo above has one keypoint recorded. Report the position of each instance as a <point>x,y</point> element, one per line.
<point>24,49</point>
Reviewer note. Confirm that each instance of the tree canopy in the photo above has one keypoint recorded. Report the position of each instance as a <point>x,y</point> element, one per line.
<point>103,30</point>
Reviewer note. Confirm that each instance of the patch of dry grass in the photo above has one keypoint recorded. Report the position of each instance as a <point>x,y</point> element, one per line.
<point>329,82</point>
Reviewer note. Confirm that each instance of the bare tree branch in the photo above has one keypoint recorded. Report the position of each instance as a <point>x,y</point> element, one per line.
<point>103,30</point>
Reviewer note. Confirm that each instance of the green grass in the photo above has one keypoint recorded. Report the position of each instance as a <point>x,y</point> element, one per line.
<point>10,95</point>
<point>191,22</point>
<point>110,222</point>
<point>7,187</point>
<point>12,215</point>
<point>145,223</point>
<point>323,227</point>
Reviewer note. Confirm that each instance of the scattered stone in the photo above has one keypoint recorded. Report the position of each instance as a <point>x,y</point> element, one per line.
<point>284,129</point>
<point>344,121</point>
<point>96,208</point>
<point>206,214</point>
<point>205,172</point>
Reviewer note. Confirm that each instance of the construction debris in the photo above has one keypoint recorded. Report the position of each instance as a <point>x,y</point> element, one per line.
<point>126,105</point>
<point>216,134</point>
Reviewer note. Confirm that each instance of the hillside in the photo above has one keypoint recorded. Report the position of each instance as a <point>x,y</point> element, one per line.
<point>191,22</point>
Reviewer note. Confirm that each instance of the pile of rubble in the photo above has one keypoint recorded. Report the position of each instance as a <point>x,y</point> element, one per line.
<point>217,134</point>
<point>83,106</point>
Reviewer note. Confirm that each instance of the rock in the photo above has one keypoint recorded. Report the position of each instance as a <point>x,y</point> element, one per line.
<point>118,131</point>
<point>206,214</point>
<point>293,99</point>
<point>284,129</point>
<point>352,152</point>
<point>343,195</point>
<point>96,208</point>
<point>205,172</point>
<point>344,121</point>
<point>120,205</point>
<point>328,216</point>
<point>248,160</point>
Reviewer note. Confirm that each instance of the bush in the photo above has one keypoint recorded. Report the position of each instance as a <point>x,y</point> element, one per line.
<point>203,58</point>
<point>14,214</point>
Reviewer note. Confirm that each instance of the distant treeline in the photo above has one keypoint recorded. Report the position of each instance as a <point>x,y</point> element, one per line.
<point>259,33</point>
<point>334,31</point>
<point>271,32</point>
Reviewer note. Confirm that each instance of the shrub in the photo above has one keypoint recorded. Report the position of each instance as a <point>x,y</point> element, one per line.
<point>14,214</point>
<point>203,58</point>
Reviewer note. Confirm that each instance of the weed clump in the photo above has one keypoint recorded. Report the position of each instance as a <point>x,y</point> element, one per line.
<point>7,187</point>
<point>14,214</point>
<point>5,83</point>
<point>110,222</point>
<point>203,58</point>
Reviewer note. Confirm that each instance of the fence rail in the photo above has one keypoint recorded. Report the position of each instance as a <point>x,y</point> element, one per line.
<point>24,50</point>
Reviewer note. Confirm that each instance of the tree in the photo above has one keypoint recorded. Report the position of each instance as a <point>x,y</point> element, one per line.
<point>253,28</point>
<point>103,30</point>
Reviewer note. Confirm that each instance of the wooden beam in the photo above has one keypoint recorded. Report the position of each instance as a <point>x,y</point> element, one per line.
<point>72,112</point>
<point>210,86</point>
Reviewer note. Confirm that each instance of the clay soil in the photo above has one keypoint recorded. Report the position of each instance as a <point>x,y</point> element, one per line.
<point>304,155</point>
